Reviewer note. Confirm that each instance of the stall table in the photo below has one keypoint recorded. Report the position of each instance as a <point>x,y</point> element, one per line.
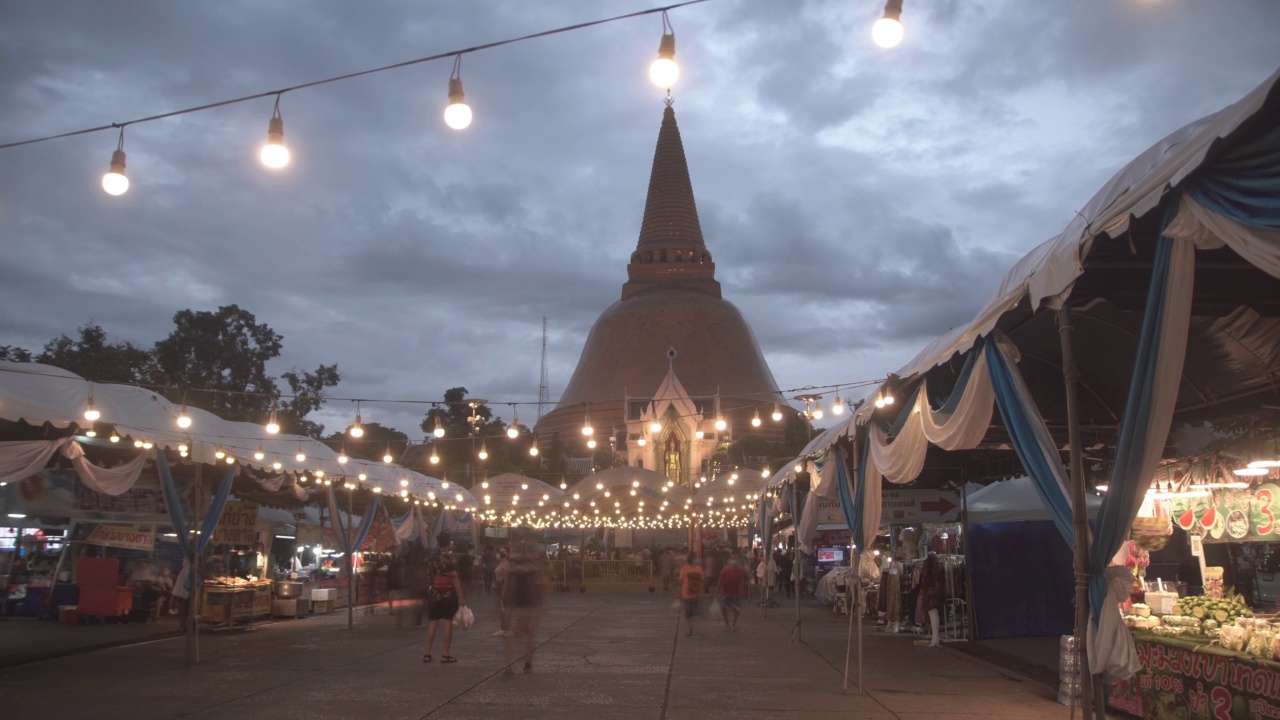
<point>227,604</point>
<point>1186,677</point>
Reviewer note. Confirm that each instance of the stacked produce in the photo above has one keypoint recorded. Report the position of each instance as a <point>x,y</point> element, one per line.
<point>1222,610</point>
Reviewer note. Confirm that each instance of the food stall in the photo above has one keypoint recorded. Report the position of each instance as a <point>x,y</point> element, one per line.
<point>228,600</point>
<point>1210,655</point>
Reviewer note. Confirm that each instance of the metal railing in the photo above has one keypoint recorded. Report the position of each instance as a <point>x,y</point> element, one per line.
<point>576,573</point>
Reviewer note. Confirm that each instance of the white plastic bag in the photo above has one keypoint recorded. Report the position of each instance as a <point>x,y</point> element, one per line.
<point>464,618</point>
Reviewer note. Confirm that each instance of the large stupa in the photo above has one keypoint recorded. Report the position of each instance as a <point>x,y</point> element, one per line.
<point>672,353</point>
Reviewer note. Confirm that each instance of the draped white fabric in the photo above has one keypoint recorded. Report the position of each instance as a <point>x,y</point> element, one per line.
<point>901,458</point>
<point>871,499</point>
<point>1209,230</point>
<point>808,528</point>
<point>108,481</point>
<point>273,484</point>
<point>22,459</point>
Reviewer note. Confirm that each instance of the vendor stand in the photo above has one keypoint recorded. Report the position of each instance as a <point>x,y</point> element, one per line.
<point>226,601</point>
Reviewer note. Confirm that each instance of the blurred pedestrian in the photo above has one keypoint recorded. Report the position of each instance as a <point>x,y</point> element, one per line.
<point>664,569</point>
<point>500,575</point>
<point>522,596</point>
<point>692,588</point>
<point>733,586</point>
<point>445,595</point>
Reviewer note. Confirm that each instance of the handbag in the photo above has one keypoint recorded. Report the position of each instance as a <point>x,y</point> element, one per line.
<point>464,618</point>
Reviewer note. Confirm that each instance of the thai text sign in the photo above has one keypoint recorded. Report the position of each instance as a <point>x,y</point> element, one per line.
<point>1231,515</point>
<point>237,525</point>
<point>131,537</point>
<point>1177,682</point>
<point>915,506</point>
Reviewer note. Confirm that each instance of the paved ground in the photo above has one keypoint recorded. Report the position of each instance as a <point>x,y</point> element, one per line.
<point>601,656</point>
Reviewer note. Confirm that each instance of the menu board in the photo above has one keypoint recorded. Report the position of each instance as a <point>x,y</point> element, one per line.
<point>1230,515</point>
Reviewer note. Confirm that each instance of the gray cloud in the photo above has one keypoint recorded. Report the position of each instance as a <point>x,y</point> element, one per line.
<point>858,202</point>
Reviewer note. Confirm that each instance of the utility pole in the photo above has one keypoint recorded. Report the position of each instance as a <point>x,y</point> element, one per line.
<point>544,387</point>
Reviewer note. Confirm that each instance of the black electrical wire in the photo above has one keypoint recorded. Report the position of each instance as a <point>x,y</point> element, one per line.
<point>352,75</point>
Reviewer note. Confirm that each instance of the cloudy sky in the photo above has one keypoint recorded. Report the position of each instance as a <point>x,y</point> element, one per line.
<point>858,201</point>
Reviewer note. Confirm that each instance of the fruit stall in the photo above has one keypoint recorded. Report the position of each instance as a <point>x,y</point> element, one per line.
<point>1211,655</point>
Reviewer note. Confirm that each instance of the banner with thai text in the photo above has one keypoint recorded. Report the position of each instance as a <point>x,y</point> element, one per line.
<point>238,524</point>
<point>131,537</point>
<point>1180,682</point>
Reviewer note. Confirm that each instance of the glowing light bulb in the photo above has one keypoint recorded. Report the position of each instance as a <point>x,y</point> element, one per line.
<point>436,429</point>
<point>777,413</point>
<point>721,424</point>
<point>114,182</point>
<point>837,407</point>
<point>435,459</point>
<point>115,437</point>
<point>273,427</point>
<point>484,453</point>
<point>259,454</point>
<point>817,413</point>
<point>90,412</point>
<point>664,72</point>
<point>386,455</point>
<point>458,114</point>
<point>642,442</point>
<point>184,420</point>
<point>342,457</point>
<point>231,460</point>
<point>274,154</point>
<point>277,465</point>
<point>591,443</point>
<point>513,432</point>
<point>91,433</point>
<point>533,450</point>
<point>219,453</point>
<point>879,402</point>
<point>356,431</point>
<point>887,32</point>
<point>755,419</point>
<point>764,472</point>
<point>655,427</point>
<point>301,456</point>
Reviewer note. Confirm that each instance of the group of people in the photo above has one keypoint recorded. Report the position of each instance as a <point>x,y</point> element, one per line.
<point>727,587</point>
<point>516,579</point>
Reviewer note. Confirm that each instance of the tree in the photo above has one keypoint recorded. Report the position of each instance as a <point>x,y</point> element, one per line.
<point>466,430</point>
<point>307,389</point>
<point>90,356</point>
<point>13,353</point>
<point>225,351</point>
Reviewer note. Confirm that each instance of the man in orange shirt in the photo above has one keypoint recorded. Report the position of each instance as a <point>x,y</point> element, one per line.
<point>692,588</point>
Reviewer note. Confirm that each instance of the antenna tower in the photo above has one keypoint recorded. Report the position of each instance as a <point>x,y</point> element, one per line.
<point>544,387</point>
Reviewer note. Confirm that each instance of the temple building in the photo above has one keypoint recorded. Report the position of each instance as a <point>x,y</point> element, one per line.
<point>672,369</point>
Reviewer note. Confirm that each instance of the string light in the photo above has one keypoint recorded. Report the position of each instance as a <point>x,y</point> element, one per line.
<point>301,456</point>
<point>436,428</point>
<point>342,455</point>
<point>513,430</point>
<point>591,443</point>
<point>91,433</point>
<point>356,430</point>
<point>387,457</point>
<point>115,436</point>
<point>641,441</point>
<point>90,412</point>
<point>273,426</point>
<point>721,424</point>
<point>887,31</point>
<point>837,406</point>
<point>115,182</point>
<point>435,457</point>
<point>457,114</point>
<point>277,465</point>
<point>219,453</point>
<point>587,430</point>
<point>274,154</point>
<point>533,449</point>
<point>755,419</point>
<point>484,452</point>
<point>777,412</point>
<point>184,420</point>
<point>664,72</point>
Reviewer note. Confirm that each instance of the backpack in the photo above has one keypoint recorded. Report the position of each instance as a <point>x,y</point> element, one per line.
<point>693,583</point>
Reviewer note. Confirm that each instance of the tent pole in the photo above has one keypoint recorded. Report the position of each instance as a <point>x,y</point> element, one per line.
<point>850,607</point>
<point>351,565</point>
<point>1079,513</point>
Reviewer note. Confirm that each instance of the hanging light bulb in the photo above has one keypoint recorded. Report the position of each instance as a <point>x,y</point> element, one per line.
<point>755,419</point>
<point>147,444</point>
<point>879,401</point>
<point>765,471</point>
<point>259,454</point>
<point>386,454</point>
<point>513,430</point>
<point>888,398</point>
<point>184,420</point>
<point>484,452</point>
<point>642,442</point>
<point>887,32</point>
<point>586,425</point>
<point>277,465</point>
<point>837,406</point>
<point>458,114</point>
<point>436,428</point>
<point>90,412</point>
<point>342,456</point>
<point>655,427</point>
<point>274,154</point>
<point>435,457</point>
<point>664,71</point>
<point>273,426</point>
<point>533,450</point>
<point>777,412</point>
<point>591,443</point>
<point>219,453</point>
<point>115,436</point>
<point>301,456</point>
<point>721,424</point>
<point>356,430</point>
<point>363,477</point>
<point>114,182</point>
<point>817,413</point>
<point>90,433</point>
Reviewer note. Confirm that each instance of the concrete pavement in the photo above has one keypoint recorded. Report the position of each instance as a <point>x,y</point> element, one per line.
<point>601,656</point>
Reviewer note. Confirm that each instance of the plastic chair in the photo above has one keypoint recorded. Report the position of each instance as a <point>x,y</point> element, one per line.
<point>841,605</point>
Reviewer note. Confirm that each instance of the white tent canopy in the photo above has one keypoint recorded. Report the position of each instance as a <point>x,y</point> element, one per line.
<point>1013,501</point>
<point>39,394</point>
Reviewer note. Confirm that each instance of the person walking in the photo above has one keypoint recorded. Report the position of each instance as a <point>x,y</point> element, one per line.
<point>500,575</point>
<point>664,569</point>
<point>489,563</point>
<point>733,586</point>
<point>692,588</point>
<point>445,595</point>
<point>522,596</point>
